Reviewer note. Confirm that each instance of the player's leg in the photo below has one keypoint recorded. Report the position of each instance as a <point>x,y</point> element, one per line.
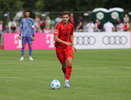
<point>30,48</point>
<point>30,52</point>
<point>69,56</point>
<point>62,59</point>
<point>68,71</point>
<point>24,40</point>
<point>64,67</point>
<point>69,68</point>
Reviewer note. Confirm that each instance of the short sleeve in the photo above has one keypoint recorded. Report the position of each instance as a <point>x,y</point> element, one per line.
<point>56,31</point>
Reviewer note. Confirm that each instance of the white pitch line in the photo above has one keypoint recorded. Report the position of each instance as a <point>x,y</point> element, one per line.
<point>72,77</point>
<point>99,76</point>
<point>59,69</point>
<point>24,69</point>
<point>43,69</point>
<point>109,61</point>
<point>87,51</point>
<point>22,62</point>
<point>127,67</point>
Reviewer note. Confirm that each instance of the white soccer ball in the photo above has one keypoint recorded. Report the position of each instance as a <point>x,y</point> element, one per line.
<point>55,84</point>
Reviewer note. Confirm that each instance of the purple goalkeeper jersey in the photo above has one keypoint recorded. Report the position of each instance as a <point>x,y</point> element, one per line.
<point>27,26</point>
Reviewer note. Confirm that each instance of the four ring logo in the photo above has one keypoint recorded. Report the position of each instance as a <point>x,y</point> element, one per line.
<point>84,40</point>
<point>114,40</point>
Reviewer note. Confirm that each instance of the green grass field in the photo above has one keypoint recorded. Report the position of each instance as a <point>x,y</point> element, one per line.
<point>97,75</point>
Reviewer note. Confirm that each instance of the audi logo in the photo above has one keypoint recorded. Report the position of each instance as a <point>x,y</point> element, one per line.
<point>84,40</point>
<point>114,40</point>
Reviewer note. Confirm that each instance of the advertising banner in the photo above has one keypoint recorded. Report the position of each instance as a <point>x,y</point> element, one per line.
<point>82,40</point>
<point>42,41</point>
<point>102,40</point>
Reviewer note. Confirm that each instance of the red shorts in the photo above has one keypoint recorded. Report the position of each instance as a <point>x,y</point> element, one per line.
<point>63,54</point>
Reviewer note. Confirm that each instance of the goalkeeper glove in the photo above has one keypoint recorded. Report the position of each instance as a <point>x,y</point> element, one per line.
<point>20,37</point>
<point>33,38</point>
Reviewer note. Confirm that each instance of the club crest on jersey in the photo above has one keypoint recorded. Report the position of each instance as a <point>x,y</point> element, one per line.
<point>56,31</point>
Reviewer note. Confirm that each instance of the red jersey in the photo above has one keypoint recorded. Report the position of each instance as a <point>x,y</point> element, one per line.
<point>63,33</point>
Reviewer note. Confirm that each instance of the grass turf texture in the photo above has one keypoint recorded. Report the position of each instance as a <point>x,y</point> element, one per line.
<point>97,75</point>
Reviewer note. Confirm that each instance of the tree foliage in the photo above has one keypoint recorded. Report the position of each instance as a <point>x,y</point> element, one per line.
<point>29,4</point>
<point>125,4</point>
<point>72,5</point>
<point>60,5</point>
<point>10,5</point>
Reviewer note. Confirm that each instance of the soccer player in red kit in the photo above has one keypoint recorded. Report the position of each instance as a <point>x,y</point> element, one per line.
<point>64,37</point>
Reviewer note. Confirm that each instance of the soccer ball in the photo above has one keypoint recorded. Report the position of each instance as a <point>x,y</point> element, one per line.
<point>55,84</point>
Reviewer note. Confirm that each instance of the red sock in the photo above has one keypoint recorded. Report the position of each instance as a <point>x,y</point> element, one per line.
<point>68,72</point>
<point>64,70</point>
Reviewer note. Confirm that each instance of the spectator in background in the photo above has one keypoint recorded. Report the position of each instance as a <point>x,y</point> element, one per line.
<point>90,26</point>
<point>80,24</point>
<point>6,29</point>
<point>47,23</point>
<point>52,23</point>
<point>98,26</point>
<point>1,31</point>
<point>126,18</point>
<point>1,25</point>
<point>116,21</point>
<point>126,27</point>
<point>119,27</point>
<point>71,20</point>
<point>13,29</point>
<point>58,19</point>
<point>10,24</point>
<point>35,28</point>
<point>42,24</point>
<point>37,21</point>
<point>109,27</point>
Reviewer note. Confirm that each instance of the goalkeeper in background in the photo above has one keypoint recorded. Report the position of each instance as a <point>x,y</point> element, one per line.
<point>27,26</point>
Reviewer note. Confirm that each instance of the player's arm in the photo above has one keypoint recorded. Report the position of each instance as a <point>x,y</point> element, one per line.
<point>57,39</point>
<point>21,25</point>
<point>72,39</point>
<point>33,31</point>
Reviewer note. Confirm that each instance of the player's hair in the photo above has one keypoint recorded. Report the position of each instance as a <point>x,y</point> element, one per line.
<point>66,12</point>
<point>27,11</point>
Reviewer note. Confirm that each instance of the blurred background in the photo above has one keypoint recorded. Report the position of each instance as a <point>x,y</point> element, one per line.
<point>47,13</point>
